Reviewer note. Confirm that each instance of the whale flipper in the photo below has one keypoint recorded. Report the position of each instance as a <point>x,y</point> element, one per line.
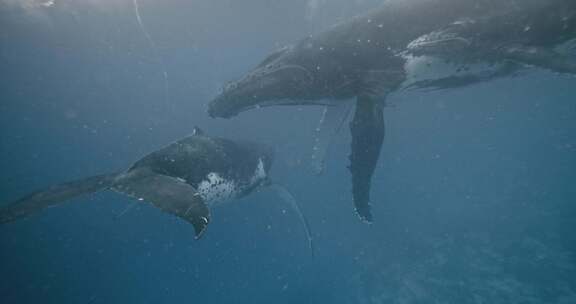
<point>53,196</point>
<point>367,130</point>
<point>287,197</point>
<point>330,124</point>
<point>170,194</point>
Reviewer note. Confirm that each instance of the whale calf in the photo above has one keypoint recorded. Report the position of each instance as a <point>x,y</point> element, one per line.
<point>415,44</point>
<point>185,179</point>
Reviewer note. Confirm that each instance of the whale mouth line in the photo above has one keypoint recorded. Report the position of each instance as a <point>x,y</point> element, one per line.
<point>309,74</point>
<point>271,69</point>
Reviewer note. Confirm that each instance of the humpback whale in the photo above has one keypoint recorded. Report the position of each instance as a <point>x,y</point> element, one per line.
<point>185,179</point>
<point>404,45</point>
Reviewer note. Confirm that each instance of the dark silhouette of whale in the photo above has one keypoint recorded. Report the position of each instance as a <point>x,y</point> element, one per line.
<point>184,178</point>
<point>415,44</point>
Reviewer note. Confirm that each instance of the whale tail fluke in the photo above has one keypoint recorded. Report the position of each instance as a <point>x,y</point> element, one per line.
<point>53,196</point>
<point>167,193</point>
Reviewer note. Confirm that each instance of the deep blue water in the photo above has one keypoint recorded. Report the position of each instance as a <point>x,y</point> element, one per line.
<point>474,199</point>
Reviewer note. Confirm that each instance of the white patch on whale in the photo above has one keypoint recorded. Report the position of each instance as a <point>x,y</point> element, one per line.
<point>259,173</point>
<point>429,68</point>
<point>216,188</point>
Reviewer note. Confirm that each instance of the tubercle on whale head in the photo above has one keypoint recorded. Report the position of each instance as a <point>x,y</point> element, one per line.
<point>220,107</point>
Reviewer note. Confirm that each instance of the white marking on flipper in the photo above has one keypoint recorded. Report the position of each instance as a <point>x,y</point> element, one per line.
<point>287,197</point>
<point>330,124</point>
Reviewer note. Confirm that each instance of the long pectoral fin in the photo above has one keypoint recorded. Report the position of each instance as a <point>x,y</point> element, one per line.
<point>287,197</point>
<point>367,130</point>
<point>330,124</point>
<point>171,195</point>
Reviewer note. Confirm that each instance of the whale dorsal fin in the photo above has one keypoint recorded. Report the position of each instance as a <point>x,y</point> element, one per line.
<point>197,131</point>
<point>170,194</point>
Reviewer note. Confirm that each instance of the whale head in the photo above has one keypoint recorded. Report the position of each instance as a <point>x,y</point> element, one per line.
<point>276,80</point>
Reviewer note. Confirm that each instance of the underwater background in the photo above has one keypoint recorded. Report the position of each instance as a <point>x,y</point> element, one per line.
<point>474,198</point>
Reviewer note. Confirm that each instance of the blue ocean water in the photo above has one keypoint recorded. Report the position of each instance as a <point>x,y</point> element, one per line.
<point>474,198</point>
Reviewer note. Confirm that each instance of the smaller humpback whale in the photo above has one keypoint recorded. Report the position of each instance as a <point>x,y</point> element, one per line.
<point>184,179</point>
<point>416,44</point>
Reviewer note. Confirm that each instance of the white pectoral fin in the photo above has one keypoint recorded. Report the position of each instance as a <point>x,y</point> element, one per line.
<point>286,196</point>
<point>171,195</point>
<point>333,118</point>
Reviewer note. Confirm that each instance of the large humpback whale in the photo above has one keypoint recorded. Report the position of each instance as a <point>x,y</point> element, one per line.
<point>406,44</point>
<point>184,179</point>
